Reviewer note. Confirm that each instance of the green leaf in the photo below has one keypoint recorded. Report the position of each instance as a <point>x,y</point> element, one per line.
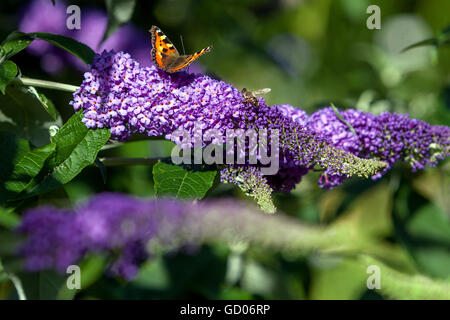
<point>19,165</point>
<point>76,48</point>
<point>430,223</point>
<point>153,274</point>
<point>172,180</point>
<point>119,12</point>
<point>15,42</point>
<point>76,147</point>
<point>398,285</point>
<point>350,127</point>
<point>28,114</point>
<point>12,149</point>
<point>442,39</point>
<point>434,185</point>
<point>427,42</point>
<point>427,239</point>
<point>8,71</point>
<point>43,285</point>
<point>433,260</point>
<point>8,218</point>
<point>47,104</point>
<point>51,285</point>
<point>92,268</point>
<point>27,168</point>
<point>43,100</point>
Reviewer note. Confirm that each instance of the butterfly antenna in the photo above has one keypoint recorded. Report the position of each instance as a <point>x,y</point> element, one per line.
<point>182,44</point>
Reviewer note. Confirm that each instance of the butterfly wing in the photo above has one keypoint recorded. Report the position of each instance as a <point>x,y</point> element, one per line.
<point>184,61</point>
<point>164,53</point>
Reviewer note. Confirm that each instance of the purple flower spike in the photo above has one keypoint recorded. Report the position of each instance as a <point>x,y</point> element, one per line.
<point>121,95</point>
<point>108,223</point>
<point>389,137</point>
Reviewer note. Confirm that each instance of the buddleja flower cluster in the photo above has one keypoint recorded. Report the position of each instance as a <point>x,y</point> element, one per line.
<point>57,238</point>
<point>128,231</point>
<point>389,137</point>
<point>121,95</point>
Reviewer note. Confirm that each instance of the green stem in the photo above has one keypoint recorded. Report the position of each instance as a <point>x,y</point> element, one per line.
<point>46,84</point>
<point>112,162</point>
<point>133,138</point>
<point>18,285</point>
<point>143,137</point>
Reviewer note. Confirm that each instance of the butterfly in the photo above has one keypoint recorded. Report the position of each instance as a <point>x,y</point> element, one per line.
<point>166,57</point>
<point>250,96</point>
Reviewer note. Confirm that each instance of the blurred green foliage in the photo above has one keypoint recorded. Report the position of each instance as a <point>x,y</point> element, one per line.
<point>310,53</point>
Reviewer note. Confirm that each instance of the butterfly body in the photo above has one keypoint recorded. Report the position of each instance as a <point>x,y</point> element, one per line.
<point>166,57</point>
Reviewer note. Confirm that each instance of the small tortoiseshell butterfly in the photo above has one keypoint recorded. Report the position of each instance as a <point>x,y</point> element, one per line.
<point>166,57</point>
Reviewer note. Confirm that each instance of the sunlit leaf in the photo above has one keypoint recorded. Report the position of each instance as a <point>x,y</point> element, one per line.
<point>434,184</point>
<point>8,218</point>
<point>15,42</point>
<point>337,278</point>
<point>172,180</point>
<point>76,147</point>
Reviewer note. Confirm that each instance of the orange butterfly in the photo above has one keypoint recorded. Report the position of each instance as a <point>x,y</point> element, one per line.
<point>166,57</point>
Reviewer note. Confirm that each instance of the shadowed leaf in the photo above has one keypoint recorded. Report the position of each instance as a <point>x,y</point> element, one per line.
<point>27,168</point>
<point>28,114</point>
<point>8,71</point>
<point>76,48</point>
